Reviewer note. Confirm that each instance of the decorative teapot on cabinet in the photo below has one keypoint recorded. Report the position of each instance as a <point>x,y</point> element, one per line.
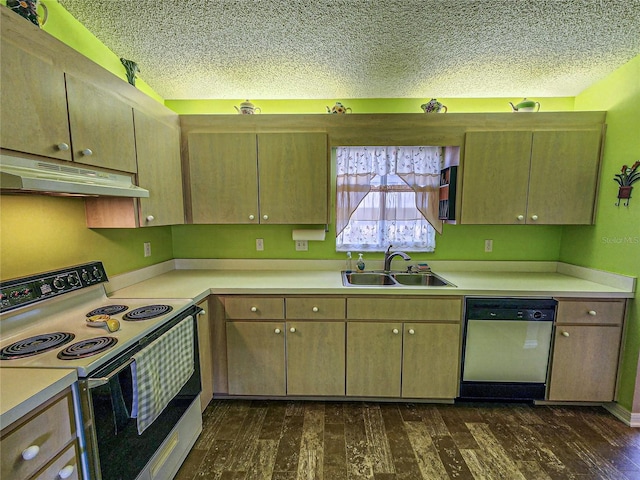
<point>339,108</point>
<point>433,106</point>
<point>526,106</point>
<point>247,108</point>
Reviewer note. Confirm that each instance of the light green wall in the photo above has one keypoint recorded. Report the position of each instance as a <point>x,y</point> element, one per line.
<point>39,233</point>
<point>365,105</point>
<point>613,243</point>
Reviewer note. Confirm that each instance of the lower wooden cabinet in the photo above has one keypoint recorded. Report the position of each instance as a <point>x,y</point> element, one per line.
<point>256,358</point>
<point>408,360</point>
<point>586,350</point>
<point>49,434</point>
<point>338,346</point>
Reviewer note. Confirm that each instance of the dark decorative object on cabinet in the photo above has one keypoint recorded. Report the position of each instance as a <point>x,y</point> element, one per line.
<point>29,10</point>
<point>626,178</point>
<point>132,69</point>
<point>447,204</point>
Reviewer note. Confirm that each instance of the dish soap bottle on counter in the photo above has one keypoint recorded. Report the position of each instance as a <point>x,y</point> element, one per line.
<point>349,266</point>
<point>360,263</point>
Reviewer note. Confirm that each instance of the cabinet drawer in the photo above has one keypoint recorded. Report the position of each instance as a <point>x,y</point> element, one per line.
<point>447,309</point>
<point>315,308</point>
<point>51,429</point>
<point>254,307</point>
<point>591,312</point>
<point>67,460</point>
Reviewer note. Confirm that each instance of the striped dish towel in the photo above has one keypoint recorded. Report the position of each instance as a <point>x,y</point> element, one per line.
<point>159,372</point>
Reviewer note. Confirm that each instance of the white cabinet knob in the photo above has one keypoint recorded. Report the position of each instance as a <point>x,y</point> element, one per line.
<point>265,217</point>
<point>252,217</point>
<point>593,313</point>
<point>254,309</point>
<point>534,217</point>
<point>411,331</point>
<point>395,331</point>
<point>315,309</point>
<point>520,217</point>
<point>87,152</point>
<point>277,331</point>
<point>150,218</point>
<point>565,334</point>
<point>292,329</point>
<point>63,147</point>
<point>30,452</point>
<point>202,312</point>
<point>66,472</point>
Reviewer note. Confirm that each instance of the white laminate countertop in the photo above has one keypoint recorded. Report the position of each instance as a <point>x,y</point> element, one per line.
<point>197,283</point>
<point>24,389</point>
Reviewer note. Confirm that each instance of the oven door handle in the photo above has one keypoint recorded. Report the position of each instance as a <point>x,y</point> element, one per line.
<point>98,381</point>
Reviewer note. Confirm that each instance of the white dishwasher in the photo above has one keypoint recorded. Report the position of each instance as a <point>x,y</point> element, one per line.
<point>506,348</point>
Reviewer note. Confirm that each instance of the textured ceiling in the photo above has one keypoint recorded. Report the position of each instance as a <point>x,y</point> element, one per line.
<point>305,49</point>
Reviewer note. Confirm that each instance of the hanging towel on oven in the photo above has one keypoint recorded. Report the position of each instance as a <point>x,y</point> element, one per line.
<point>160,370</point>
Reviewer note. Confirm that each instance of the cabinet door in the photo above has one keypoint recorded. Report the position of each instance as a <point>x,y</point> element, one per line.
<point>159,171</point>
<point>205,355</point>
<point>255,357</point>
<point>495,177</point>
<point>430,360</point>
<point>293,171</point>
<point>223,173</point>
<point>585,362</point>
<point>374,359</point>
<point>102,124</point>
<point>33,105</point>
<point>315,358</point>
<point>564,176</point>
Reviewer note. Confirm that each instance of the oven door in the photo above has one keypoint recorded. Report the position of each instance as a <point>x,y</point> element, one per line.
<point>115,449</point>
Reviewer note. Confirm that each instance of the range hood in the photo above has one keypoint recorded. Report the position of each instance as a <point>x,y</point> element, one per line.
<point>24,175</point>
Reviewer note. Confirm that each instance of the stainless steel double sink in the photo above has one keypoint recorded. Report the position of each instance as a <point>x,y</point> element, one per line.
<point>376,278</point>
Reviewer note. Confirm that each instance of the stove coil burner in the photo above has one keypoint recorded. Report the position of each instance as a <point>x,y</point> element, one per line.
<point>35,345</point>
<point>147,313</point>
<point>108,310</point>
<point>87,348</point>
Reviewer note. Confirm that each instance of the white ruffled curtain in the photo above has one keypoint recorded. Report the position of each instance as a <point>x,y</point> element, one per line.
<point>384,219</point>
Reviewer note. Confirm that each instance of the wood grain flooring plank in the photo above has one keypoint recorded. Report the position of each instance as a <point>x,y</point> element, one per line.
<point>453,461</point>
<point>312,445</point>
<point>555,438</point>
<point>334,413</point>
<point>212,421</point>
<point>429,461</point>
<point>245,443</point>
<point>288,454</point>
<point>377,439</point>
<point>191,466</point>
<point>264,457</point>
<point>433,419</point>
<point>457,428</point>
<point>404,458</point>
<point>231,423</point>
<point>273,422</point>
<point>597,465</point>
<point>217,456</point>
<point>532,470</point>
<point>492,455</point>
<point>335,447</point>
<point>410,412</point>
<point>359,461</point>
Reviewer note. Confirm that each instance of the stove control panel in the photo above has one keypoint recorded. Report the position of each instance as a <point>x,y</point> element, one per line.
<point>32,289</point>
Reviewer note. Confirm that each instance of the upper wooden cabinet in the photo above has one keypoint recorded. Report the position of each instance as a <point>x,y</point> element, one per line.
<point>267,178</point>
<point>33,108</point>
<point>101,126</point>
<point>530,177</point>
<point>159,171</point>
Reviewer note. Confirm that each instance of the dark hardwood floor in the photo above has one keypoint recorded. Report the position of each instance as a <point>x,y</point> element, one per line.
<point>294,440</point>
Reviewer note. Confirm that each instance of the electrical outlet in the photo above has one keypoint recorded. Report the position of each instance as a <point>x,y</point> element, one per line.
<point>259,244</point>
<point>488,246</point>
<point>302,245</point>
<point>147,249</point>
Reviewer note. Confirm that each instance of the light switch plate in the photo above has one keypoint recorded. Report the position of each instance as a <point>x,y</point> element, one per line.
<point>488,246</point>
<point>259,244</point>
<point>302,245</point>
<point>147,249</point>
